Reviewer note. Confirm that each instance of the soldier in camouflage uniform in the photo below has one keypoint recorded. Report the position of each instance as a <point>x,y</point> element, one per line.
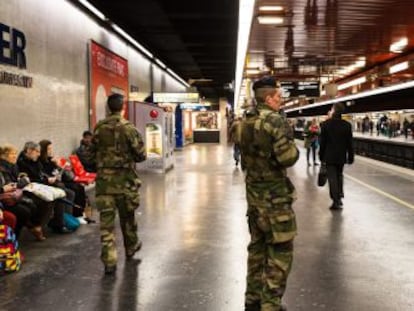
<point>267,148</point>
<point>117,146</point>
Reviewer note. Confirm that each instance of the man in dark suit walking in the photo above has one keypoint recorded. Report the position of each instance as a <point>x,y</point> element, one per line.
<point>335,150</point>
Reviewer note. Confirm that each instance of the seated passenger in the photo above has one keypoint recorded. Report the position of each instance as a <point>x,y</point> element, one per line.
<point>51,167</point>
<point>84,152</point>
<point>28,162</point>
<point>26,211</point>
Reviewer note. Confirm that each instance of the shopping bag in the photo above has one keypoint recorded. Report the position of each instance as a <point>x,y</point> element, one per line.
<point>45,192</point>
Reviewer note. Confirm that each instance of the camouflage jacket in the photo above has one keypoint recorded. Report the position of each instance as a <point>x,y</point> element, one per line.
<point>267,147</point>
<point>117,146</point>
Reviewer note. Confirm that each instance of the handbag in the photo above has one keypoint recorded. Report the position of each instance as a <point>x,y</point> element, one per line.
<point>45,192</point>
<point>11,198</point>
<point>322,175</point>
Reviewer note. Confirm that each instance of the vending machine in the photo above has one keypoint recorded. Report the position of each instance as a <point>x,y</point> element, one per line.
<point>156,125</point>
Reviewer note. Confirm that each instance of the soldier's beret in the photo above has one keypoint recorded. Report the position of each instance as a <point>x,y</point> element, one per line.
<point>264,82</point>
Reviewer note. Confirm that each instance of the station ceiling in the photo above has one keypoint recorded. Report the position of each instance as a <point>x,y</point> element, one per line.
<point>325,37</point>
<point>318,38</point>
<point>196,39</point>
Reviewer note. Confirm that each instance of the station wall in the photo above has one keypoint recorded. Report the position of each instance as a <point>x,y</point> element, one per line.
<point>56,107</point>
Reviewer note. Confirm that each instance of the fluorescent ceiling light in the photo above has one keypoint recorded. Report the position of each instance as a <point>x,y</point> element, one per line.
<point>399,46</point>
<point>252,71</point>
<point>399,67</point>
<point>360,62</point>
<point>352,83</point>
<point>277,8</point>
<point>94,10</point>
<point>246,9</point>
<point>160,63</point>
<point>270,20</point>
<point>387,89</point>
<point>177,77</point>
<point>132,40</point>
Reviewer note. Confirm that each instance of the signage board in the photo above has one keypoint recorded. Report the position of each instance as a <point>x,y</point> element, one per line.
<point>176,97</point>
<point>194,106</point>
<point>108,75</point>
<point>300,88</point>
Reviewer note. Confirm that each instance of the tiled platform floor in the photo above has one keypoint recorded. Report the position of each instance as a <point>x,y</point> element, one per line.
<point>192,223</point>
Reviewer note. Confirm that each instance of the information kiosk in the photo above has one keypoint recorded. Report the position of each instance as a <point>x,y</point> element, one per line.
<point>156,125</point>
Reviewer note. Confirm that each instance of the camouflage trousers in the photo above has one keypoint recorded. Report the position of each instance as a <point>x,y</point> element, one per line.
<point>107,206</point>
<point>270,254</point>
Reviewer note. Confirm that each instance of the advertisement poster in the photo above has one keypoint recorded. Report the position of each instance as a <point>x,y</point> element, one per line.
<point>108,75</point>
<point>153,140</point>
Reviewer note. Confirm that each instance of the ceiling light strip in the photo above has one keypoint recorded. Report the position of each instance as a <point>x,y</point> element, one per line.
<point>399,46</point>
<point>177,77</point>
<point>274,8</point>
<point>246,9</point>
<point>94,10</point>
<point>352,83</point>
<point>270,20</point>
<point>399,67</point>
<point>386,89</point>
<point>127,37</point>
<point>160,63</point>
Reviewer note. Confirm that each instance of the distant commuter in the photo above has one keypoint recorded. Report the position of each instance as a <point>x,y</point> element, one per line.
<point>406,126</point>
<point>235,134</point>
<point>117,146</point>
<point>412,128</point>
<point>336,149</point>
<point>267,149</point>
<point>311,137</point>
<point>84,152</point>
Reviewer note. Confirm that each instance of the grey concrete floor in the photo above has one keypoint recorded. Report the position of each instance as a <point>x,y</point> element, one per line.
<point>193,225</point>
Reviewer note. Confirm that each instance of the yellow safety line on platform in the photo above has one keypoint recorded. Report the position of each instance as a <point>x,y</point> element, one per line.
<point>385,194</point>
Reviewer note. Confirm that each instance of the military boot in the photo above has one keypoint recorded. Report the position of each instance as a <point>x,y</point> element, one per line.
<point>131,252</point>
<point>110,270</point>
<point>252,307</point>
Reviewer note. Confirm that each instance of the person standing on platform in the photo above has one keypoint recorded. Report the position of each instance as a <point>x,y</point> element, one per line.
<point>311,135</point>
<point>406,126</point>
<point>267,149</point>
<point>117,146</point>
<point>336,149</point>
<point>235,133</point>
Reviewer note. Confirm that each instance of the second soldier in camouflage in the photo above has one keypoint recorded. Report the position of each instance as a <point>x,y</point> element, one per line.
<point>117,146</point>
<point>268,148</point>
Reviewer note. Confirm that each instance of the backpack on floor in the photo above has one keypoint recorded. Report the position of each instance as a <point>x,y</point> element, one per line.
<point>71,222</point>
<point>10,259</point>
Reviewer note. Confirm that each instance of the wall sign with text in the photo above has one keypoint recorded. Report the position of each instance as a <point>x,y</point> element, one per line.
<point>12,53</point>
<point>109,74</point>
<point>300,88</point>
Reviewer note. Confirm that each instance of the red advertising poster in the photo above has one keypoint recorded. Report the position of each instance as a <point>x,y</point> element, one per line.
<point>108,75</point>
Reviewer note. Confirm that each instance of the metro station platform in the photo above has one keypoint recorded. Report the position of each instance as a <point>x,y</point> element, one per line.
<point>194,230</point>
<point>399,139</point>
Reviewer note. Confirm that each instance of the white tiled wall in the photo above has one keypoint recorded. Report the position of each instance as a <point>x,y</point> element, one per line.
<point>56,107</point>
